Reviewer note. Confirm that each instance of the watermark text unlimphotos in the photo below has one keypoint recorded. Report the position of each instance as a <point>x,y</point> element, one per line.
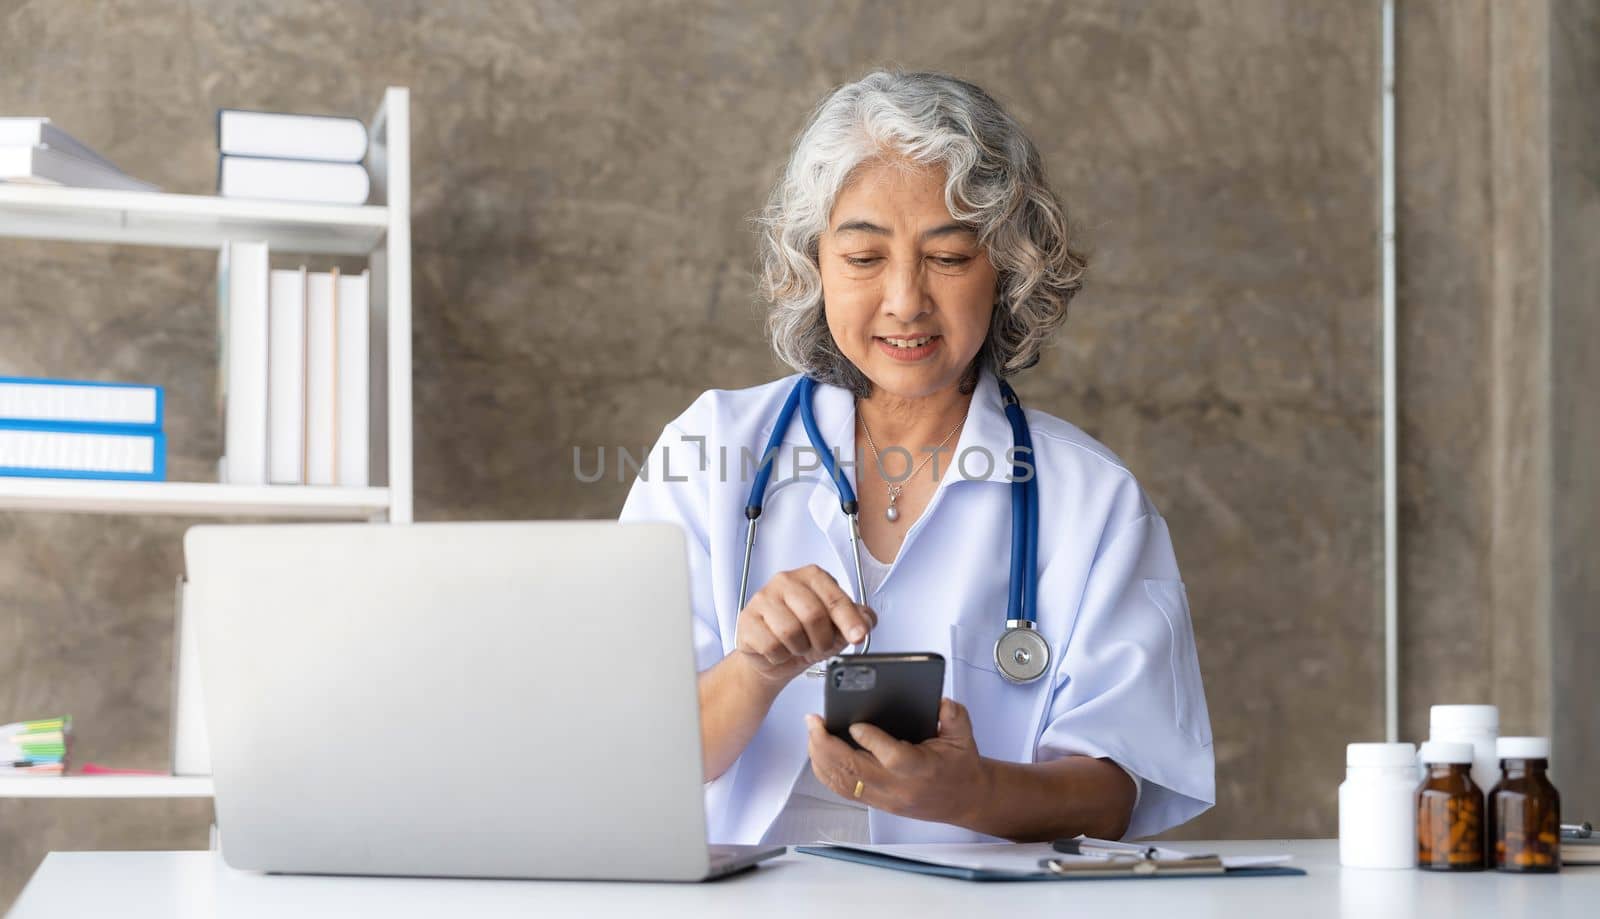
<point>690,457</point>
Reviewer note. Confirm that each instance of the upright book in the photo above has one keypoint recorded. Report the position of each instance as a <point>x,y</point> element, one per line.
<point>318,407</point>
<point>286,378</point>
<point>242,282</point>
<point>350,445</point>
<point>322,379</point>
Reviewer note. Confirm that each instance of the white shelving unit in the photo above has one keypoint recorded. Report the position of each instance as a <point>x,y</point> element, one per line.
<point>380,231</point>
<point>106,786</point>
<point>194,499</point>
<point>187,221</point>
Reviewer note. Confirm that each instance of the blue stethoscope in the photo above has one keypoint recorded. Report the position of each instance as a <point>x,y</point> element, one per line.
<point>1021,653</point>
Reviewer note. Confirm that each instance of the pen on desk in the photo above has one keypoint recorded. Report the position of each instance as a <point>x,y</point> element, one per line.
<point>1102,850</point>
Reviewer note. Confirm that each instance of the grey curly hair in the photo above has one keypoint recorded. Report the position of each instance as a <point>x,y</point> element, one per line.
<point>994,183</point>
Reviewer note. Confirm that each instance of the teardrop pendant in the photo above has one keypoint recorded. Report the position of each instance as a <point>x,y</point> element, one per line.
<point>893,513</point>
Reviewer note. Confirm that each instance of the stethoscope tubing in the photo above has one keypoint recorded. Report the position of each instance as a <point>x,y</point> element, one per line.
<point>1022,600</point>
<point>800,398</point>
<point>758,488</point>
<point>847,495</point>
<point>1021,597</point>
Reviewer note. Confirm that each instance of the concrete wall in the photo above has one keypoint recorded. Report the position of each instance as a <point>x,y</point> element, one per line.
<point>1446,368</point>
<point>1574,267</point>
<point>1499,251</point>
<point>583,178</point>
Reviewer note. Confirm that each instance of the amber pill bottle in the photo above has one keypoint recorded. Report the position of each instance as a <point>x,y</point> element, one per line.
<point>1524,808</point>
<point>1450,819</point>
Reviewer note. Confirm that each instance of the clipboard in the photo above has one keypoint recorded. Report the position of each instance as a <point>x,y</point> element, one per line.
<point>1103,870</point>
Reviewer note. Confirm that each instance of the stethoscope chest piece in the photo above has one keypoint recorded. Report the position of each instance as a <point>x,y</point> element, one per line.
<point>1021,653</point>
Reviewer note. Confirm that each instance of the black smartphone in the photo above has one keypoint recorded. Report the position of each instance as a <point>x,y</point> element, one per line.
<point>898,693</point>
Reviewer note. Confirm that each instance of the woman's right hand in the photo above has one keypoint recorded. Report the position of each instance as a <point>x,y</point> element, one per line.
<point>799,618</point>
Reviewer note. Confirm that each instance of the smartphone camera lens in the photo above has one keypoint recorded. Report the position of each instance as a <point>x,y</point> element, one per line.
<point>855,678</point>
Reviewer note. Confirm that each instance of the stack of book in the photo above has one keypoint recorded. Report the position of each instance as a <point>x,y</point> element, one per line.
<point>35,747</point>
<point>294,382</point>
<point>73,429</point>
<point>35,152</point>
<point>311,158</point>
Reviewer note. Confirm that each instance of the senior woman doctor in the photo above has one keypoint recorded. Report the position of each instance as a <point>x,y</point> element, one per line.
<point>912,254</point>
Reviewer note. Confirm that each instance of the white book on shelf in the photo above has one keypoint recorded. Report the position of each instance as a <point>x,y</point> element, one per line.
<point>350,444</point>
<point>286,378</point>
<point>37,450</point>
<point>191,744</point>
<point>79,402</point>
<point>40,165</point>
<point>242,292</point>
<point>28,131</point>
<point>293,180</point>
<point>322,375</point>
<point>280,135</point>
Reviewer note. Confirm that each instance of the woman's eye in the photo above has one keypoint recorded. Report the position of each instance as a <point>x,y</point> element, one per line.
<point>951,261</point>
<point>862,261</point>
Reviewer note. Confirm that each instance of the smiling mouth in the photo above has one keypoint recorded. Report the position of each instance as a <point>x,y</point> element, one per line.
<point>907,343</point>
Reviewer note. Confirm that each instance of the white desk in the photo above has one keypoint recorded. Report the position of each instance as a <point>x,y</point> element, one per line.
<point>181,885</point>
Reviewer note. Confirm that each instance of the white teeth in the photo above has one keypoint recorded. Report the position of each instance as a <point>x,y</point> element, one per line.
<point>909,342</point>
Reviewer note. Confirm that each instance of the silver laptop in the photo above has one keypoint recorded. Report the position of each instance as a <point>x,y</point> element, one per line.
<point>512,700</point>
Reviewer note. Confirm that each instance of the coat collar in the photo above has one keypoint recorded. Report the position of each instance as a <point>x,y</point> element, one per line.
<point>985,437</point>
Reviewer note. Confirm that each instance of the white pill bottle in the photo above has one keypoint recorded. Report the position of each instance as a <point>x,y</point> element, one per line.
<point>1478,725</point>
<point>1378,806</point>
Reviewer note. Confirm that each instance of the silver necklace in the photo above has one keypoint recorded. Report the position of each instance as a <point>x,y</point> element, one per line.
<point>892,513</point>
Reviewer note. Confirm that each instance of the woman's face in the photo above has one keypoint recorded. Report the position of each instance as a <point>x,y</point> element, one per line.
<point>908,290</point>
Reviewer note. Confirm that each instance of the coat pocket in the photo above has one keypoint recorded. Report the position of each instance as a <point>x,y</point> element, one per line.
<point>1004,714</point>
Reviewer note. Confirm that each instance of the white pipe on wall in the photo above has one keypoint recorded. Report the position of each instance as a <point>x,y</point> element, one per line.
<point>1391,534</point>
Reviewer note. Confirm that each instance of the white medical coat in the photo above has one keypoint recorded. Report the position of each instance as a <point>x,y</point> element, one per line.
<point>1124,679</point>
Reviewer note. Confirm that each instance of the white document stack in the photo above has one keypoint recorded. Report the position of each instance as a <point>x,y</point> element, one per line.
<point>295,372</point>
<point>307,158</point>
<point>33,151</point>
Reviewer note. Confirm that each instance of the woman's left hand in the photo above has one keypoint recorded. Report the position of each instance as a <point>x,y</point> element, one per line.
<point>941,779</point>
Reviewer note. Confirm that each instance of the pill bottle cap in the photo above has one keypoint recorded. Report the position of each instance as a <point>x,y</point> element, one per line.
<point>1522,748</point>
<point>1446,718</point>
<point>1446,751</point>
<point>1381,754</point>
